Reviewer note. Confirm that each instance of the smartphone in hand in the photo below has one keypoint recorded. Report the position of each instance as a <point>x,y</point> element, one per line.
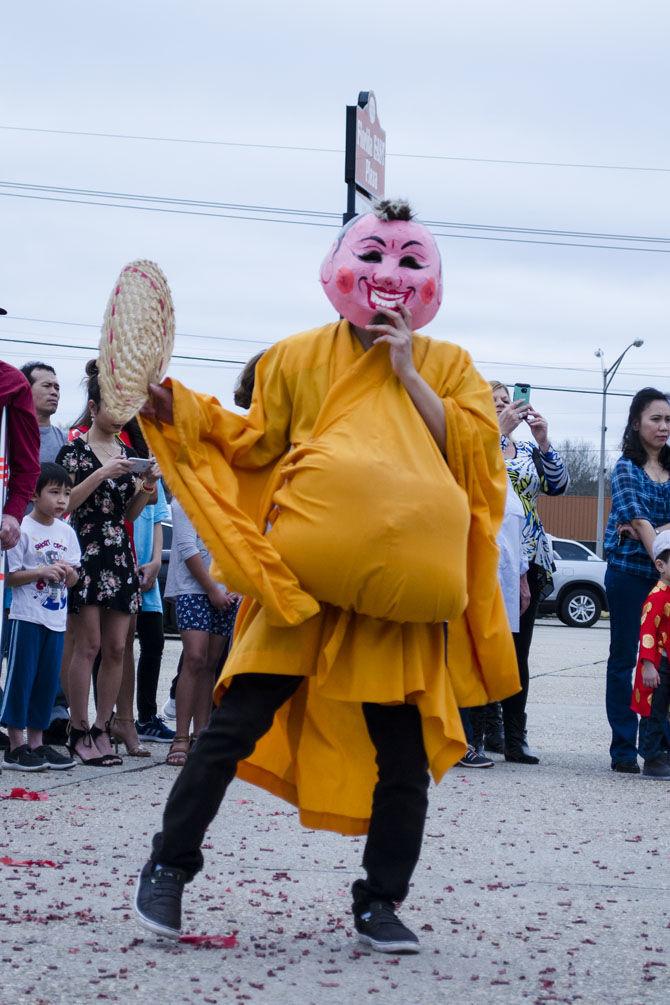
<point>138,465</point>
<point>521,393</point>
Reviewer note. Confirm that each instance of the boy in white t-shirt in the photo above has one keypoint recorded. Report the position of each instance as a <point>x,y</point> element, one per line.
<point>41,568</point>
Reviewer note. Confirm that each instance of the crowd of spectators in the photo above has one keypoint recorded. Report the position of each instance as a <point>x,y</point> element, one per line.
<point>82,531</point>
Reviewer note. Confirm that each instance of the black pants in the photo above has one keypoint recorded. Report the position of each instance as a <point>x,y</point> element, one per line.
<point>653,743</point>
<point>246,712</point>
<point>516,705</point>
<point>152,641</point>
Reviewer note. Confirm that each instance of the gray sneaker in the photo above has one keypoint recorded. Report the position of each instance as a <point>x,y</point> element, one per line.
<point>158,899</point>
<point>23,759</point>
<point>53,760</point>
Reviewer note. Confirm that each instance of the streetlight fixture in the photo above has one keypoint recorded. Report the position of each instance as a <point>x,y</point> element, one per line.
<point>608,375</point>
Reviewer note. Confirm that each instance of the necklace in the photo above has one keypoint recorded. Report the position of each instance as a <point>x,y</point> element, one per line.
<point>98,447</point>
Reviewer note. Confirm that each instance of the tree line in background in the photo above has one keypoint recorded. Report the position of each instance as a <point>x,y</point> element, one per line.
<point>583,460</point>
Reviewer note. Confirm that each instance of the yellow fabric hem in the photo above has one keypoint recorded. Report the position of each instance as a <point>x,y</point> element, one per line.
<point>349,826</point>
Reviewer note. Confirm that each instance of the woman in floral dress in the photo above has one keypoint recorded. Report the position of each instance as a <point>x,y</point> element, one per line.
<point>105,494</point>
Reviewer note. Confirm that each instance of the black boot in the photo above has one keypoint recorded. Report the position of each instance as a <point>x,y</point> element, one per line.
<point>494,735</point>
<point>516,741</point>
<point>477,726</point>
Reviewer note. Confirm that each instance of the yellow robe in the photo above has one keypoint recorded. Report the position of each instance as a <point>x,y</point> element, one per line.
<point>334,472</point>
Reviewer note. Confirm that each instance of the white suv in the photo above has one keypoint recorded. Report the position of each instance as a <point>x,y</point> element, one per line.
<point>578,596</point>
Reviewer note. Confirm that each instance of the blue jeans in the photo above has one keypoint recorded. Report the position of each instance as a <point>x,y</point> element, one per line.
<point>625,596</point>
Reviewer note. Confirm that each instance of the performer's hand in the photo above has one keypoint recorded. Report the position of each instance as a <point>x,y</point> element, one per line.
<point>159,405</point>
<point>650,675</point>
<point>10,531</point>
<point>398,334</point>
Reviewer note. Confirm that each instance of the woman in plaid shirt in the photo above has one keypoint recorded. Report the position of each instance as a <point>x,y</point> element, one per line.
<point>640,511</point>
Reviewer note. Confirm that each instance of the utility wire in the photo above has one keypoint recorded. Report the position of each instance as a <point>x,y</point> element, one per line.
<point>310,223</point>
<point>317,214</point>
<point>525,364</point>
<point>241,362</point>
<point>338,150</point>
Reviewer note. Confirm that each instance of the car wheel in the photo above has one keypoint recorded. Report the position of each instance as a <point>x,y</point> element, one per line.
<point>580,608</point>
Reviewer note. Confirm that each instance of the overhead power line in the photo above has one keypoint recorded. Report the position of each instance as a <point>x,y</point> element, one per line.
<point>314,218</point>
<point>580,165</point>
<point>241,362</point>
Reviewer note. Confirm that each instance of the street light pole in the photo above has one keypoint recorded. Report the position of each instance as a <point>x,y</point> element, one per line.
<point>608,376</point>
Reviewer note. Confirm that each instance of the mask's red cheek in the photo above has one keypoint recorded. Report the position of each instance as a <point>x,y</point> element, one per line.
<point>427,292</point>
<point>344,280</point>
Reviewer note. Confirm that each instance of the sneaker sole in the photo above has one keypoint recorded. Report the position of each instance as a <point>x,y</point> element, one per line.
<point>60,767</point>
<point>153,926</point>
<point>491,764</point>
<point>389,947</point>
<point>20,767</point>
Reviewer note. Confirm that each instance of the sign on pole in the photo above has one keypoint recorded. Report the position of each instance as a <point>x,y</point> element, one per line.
<point>365,157</point>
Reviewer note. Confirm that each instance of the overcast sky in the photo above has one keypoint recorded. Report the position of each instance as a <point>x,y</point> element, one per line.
<point>561,82</point>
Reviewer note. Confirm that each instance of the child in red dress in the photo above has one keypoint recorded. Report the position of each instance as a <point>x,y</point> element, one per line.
<point>651,691</point>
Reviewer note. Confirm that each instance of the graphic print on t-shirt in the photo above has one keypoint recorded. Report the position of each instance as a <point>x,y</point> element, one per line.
<point>40,601</point>
<point>53,596</point>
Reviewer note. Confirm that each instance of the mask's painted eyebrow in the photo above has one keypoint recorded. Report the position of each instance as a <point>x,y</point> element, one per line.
<point>373,237</point>
<point>408,244</point>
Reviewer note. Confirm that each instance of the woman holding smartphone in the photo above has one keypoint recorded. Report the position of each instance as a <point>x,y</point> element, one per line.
<point>533,469</point>
<point>105,493</point>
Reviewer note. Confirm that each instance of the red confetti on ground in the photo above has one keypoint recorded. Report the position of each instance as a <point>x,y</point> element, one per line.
<point>26,794</point>
<point>210,941</point>
<point>45,862</point>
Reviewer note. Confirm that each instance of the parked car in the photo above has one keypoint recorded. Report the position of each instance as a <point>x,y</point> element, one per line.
<point>169,618</point>
<point>578,597</point>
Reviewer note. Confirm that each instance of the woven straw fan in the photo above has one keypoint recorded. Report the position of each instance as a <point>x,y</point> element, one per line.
<point>137,338</point>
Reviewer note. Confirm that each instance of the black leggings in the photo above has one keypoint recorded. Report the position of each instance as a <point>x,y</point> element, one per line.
<point>246,712</point>
<point>152,640</point>
<point>522,640</point>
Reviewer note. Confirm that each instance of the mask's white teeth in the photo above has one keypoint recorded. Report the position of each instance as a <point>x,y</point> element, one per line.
<point>388,300</point>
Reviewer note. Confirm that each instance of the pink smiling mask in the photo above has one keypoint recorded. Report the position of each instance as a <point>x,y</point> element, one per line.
<point>375,265</point>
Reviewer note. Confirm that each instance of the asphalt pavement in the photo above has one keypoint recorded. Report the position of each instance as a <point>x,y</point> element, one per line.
<point>536,884</point>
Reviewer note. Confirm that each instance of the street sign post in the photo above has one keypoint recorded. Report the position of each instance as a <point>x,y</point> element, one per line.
<point>365,153</point>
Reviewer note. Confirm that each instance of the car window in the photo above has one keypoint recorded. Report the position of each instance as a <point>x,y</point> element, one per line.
<point>570,551</point>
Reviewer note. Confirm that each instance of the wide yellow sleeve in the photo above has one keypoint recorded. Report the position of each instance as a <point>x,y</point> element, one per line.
<point>481,639</point>
<point>201,456</point>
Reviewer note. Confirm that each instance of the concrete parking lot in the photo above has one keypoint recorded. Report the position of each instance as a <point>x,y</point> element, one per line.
<point>537,884</point>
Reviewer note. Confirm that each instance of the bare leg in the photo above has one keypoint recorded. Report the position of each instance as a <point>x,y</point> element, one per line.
<point>17,737</point>
<point>86,643</point>
<point>35,739</point>
<point>194,668</point>
<point>114,633</point>
<point>123,724</point>
<point>68,646</point>
<point>202,707</point>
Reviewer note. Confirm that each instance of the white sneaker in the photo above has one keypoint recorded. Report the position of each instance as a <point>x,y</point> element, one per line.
<point>170,709</point>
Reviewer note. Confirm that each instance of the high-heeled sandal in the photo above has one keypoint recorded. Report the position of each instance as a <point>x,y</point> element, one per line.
<point>95,733</point>
<point>176,757</point>
<point>119,734</point>
<point>74,736</point>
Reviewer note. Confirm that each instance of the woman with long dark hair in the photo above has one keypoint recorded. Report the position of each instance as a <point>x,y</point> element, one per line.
<point>640,510</point>
<point>105,493</point>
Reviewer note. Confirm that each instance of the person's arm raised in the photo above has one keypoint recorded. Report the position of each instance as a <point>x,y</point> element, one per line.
<point>398,336</point>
